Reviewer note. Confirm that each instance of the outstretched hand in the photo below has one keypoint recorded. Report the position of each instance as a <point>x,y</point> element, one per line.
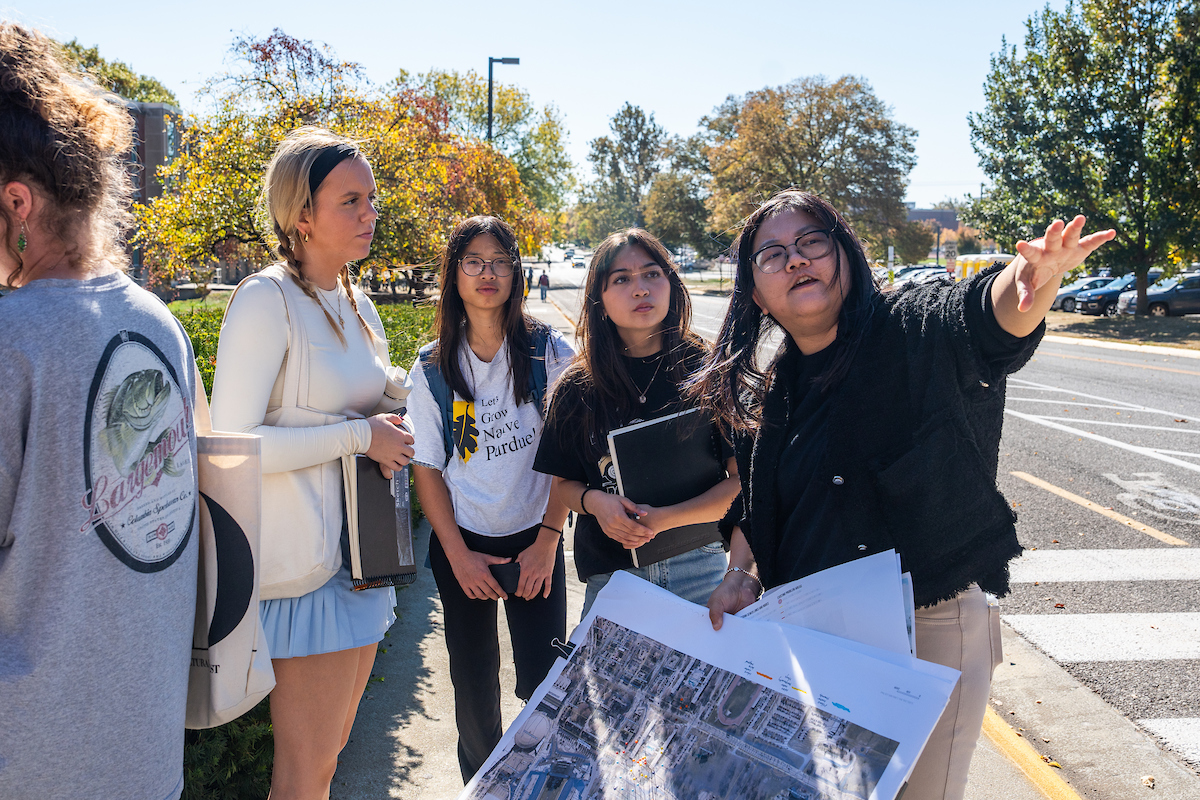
<point>1060,250</point>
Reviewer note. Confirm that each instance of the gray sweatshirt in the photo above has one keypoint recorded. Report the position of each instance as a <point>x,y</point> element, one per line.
<point>98,541</point>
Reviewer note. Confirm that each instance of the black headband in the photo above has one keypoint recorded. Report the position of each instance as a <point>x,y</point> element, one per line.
<point>324,163</point>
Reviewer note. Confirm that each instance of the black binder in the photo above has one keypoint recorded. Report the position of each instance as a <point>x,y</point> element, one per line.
<point>665,461</point>
<point>379,521</point>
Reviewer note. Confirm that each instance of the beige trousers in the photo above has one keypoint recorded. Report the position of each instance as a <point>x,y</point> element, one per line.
<point>963,633</point>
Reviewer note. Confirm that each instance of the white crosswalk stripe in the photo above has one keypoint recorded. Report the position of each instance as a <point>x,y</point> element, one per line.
<point>1079,638</point>
<point>1112,637</point>
<point>1157,564</point>
<point>1184,734</point>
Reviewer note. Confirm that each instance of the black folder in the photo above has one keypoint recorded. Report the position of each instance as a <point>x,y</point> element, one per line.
<point>665,461</point>
<point>379,522</point>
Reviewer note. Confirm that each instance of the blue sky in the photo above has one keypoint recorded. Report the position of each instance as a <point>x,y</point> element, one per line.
<point>927,60</point>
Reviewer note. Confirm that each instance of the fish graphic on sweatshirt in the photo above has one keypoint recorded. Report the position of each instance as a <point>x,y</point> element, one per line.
<point>139,476</point>
<point>134,412</point>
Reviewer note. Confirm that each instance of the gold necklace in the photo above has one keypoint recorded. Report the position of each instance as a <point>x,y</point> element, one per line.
<point>642,392</point>
<point>338,311</point>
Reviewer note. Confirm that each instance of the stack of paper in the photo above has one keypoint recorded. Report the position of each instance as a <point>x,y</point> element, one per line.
<point>868,600</point>
<point>655,704</point>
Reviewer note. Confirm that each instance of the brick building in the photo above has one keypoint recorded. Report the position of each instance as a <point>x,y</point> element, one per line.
<point>158,129</point>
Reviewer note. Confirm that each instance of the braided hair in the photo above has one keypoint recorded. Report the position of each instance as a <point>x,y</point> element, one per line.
<point>286,193</point>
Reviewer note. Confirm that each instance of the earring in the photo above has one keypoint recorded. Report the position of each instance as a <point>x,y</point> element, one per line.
<point>22,242</point>
<point>306,238</point>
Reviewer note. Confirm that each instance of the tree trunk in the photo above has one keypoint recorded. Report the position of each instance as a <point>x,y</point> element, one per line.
<point>1142,283</point>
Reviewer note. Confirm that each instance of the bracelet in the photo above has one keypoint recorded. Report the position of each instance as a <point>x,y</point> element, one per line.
<point>549,527</point>
<point>745,572</point>
<point>581,503</point>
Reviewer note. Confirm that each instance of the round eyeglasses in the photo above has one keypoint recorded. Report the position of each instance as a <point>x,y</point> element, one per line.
<point>501,267</point>
<point>810,246</point>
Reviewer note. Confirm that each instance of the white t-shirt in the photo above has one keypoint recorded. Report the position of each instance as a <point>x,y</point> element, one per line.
<point>493,487</point>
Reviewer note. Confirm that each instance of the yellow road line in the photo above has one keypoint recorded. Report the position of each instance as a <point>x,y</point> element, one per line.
<point>1099,509</point>
<point>562,311</point>
<point>1121,363</point>
<point>1026,759</point>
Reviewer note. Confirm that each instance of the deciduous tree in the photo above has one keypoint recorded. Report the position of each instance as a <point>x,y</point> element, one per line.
<point>1097,114</point>
<point>428,176</point>
<point>534,140</point>
<point>676,211</point>
<point>624,165</point>
<point>117,76</point>
<point>833,138</point>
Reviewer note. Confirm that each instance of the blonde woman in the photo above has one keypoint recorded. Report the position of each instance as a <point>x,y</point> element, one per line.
<point>319,203</point>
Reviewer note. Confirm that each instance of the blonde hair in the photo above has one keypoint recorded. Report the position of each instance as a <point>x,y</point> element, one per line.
<point>68,140</point>
<point>286,194</point>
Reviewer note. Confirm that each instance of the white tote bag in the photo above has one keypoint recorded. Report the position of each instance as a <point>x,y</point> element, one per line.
<point>231,668</point>
<point>302,508</point>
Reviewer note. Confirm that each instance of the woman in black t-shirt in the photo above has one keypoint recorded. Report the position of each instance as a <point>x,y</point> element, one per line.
<point>636,350</point>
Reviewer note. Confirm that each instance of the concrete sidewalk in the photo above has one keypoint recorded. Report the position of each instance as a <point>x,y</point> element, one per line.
<point>404,740</point>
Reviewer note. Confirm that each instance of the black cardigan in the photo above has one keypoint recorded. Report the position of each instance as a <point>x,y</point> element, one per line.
<point>914,436</point>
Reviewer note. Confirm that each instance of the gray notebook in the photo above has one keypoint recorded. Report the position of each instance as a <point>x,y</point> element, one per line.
<point>379,521</point>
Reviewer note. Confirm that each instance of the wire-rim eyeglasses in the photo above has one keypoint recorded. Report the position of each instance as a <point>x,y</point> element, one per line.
<point>501,267</point>
<point>810,246</point>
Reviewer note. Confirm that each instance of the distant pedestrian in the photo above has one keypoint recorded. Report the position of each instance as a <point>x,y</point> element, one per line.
<point>544,284</point>
<point>476,406</point>
<point>98,494</point>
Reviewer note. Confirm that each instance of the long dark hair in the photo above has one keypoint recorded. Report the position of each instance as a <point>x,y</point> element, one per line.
<point>451,319</point>
<point>598,374</point>
<point>730,384</point>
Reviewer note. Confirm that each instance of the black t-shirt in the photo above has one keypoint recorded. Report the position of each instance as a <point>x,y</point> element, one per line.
<point>813,538</point>
<point>558,454</point>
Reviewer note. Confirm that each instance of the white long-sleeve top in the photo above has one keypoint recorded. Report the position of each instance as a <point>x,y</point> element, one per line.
<point>347,380</point>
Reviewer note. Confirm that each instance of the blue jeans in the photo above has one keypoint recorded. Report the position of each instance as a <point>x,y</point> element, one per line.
<point>692,575</point>
<point>543,289</point>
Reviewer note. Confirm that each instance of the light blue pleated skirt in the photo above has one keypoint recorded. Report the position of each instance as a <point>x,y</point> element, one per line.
<point>329,619</point>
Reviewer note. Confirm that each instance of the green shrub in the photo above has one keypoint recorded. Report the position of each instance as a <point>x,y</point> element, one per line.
<point>203,327</point>
<point>407,328</point>
<point>234,760</point>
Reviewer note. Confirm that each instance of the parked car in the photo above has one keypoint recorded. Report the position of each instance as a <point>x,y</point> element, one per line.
<point>1170,297</point>
<point>1065,299</point>
<point>923,275</point>
<point>900,272</point>
<point>1104,299</point>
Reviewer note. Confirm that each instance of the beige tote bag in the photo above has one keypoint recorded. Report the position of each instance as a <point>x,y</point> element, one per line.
<point>231,668</point>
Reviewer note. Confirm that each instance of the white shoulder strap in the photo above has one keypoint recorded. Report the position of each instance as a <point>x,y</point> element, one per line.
<point>200,412</point>
<point>295,361</point>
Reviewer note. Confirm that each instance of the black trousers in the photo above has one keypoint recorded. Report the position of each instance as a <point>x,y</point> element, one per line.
<point>474,645</point>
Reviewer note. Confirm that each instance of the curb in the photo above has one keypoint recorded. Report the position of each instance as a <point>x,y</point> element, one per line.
<point>1103,752</point>
<point>564,313</point>
<point>1020,753</point>
<point>1137,348</point>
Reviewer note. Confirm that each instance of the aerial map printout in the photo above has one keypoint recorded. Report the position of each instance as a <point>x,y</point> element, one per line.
<point>655,705</point>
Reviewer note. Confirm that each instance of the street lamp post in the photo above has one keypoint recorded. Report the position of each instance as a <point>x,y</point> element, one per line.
<point>492,61</point>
